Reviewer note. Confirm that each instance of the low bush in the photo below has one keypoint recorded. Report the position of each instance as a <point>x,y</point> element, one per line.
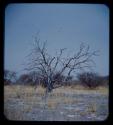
<point>89,79</point>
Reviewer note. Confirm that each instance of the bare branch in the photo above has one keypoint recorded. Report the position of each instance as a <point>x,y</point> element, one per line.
<point>58,58</point>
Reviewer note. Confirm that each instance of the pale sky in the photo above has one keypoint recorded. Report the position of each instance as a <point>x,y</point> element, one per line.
<point>62,25</point>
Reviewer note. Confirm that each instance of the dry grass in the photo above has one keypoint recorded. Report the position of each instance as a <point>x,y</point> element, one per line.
<point>30,95</point>
<point>27,91</point>
<point>33,97</point>
<point>92,107</point>
<point>81,90</point>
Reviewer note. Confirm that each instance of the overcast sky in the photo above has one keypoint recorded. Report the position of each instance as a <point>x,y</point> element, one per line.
<point>62,25</point>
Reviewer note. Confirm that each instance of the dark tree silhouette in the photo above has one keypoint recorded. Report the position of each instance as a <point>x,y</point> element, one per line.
<point>24,79</point>
<point>90,79</point>
<point>9,77</point>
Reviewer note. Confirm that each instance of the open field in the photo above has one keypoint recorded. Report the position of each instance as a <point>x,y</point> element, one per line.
<point>63,104</point>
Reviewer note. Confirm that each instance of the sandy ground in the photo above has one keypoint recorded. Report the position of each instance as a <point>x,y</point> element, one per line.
<point>63,104</point>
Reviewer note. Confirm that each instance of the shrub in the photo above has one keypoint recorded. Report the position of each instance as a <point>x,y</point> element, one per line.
<point>7,82</point>
<point>89,79</point>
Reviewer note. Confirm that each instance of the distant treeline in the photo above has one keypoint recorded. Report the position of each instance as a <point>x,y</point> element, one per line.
<point>87,79</point>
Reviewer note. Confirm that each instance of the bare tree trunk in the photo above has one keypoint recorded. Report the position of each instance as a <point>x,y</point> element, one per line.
<point>49,88</point>
<point>45,98</point>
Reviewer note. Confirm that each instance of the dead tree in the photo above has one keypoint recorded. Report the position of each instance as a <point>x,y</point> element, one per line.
<point>47,65</point>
